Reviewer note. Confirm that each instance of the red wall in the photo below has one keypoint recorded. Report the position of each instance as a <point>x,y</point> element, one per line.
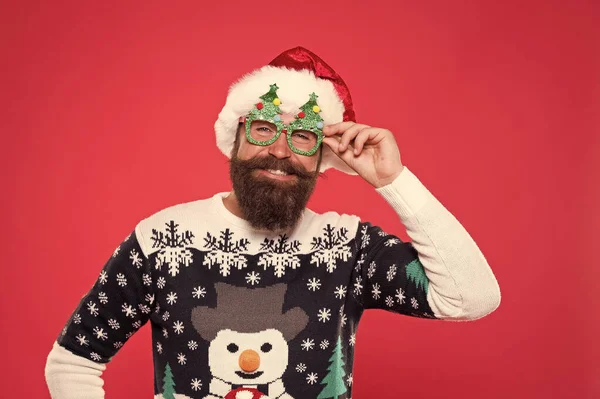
<point>107,114</point>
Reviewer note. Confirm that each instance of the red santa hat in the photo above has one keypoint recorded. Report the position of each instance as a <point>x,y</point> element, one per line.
<point>297,72</point>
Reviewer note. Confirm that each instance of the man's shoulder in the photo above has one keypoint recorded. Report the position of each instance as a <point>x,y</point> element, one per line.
<point>176,218</point>
<point>331,221</point>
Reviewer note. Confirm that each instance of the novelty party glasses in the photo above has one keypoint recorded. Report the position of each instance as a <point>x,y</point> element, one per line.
<point>304,133</point>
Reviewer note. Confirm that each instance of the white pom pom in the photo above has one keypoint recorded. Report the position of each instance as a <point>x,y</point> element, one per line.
<point>244,395</point>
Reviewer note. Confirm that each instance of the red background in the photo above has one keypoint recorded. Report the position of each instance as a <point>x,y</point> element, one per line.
<point>107,114</point>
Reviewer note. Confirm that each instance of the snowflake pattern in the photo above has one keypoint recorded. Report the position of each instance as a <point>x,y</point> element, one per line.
<point>301,368</point>
<point>414,303</point>
<point>116,251</point>
<point>112,323</point>
<point>330,247</point>
<point>343,319</point>
<point>280,255</point>
<point>358,285</point>
<point>147,279</point>
<point>159,348</point>
<point>135,258</point>
<point>252,278</point>
<point>389,301</point>
<point>178,327</point>
<point>103,278</point>
<point>173,247</point>
<point>100,334</point>
<point>371,270</point>
<point>118,344</point>
<point>391,273</point>
<point>376,291</point>
<point>360,262</point>
<point>77,318</point>
<point>121,280</point>
<point>392,241</point>
<point>308,344</point>
<point>365,237</point>
<point>95,356</point>
<point>225,252</point>
<point>93,308</point>
<point>311,378</point>
<point>166,315</point>
<point>400,296</point>
<point>193,345</point>
<point>102,298</point>
<point>349,380</point>
<point>324,315</point>
<point>340,292</point>
<point>199,292</point>
<point>128,310</point>
<point>82,340</point>
<point>149,298</point>
<point>324,344</point>
<point>352,339</point>
<point>144,308</point>
<point>181,359</point>
<point>196,384</point>
<point>165,333</point>
<point>136,324</point>
<point>161,282</point>
<point>172,298</point>
<point>314,284</point>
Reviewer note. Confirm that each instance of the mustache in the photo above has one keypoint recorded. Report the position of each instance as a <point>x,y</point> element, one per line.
<point>276,164</point>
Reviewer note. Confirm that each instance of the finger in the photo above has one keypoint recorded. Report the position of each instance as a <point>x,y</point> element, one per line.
<point>337,128</point>
<point>333,144</point>
<point>350,134</point>
<point>364,136</point>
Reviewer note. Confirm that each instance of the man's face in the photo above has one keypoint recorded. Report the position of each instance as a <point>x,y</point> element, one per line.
<point>272,184</point>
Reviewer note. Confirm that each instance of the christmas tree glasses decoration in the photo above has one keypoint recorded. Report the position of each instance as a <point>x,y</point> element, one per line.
<point>304,134</point>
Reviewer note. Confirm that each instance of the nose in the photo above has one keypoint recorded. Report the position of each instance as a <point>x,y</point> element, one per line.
<point>249,361</point>
<point>280,148</point>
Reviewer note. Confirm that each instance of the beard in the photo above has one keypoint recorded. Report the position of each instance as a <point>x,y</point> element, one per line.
<point>270,204</point>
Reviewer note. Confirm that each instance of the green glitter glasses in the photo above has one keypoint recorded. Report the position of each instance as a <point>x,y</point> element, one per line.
<point>304,133</point>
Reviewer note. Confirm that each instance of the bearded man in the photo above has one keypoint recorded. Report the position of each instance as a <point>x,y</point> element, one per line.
<point>251,294</point>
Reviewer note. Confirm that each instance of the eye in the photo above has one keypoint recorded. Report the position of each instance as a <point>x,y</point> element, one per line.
<point>232,348</point>
<point>266,347</point>
<point>300,136</point>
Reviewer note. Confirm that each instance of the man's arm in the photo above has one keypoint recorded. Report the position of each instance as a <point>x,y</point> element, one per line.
<point>69,376</point>
<point>442,266</point>
<point>443,262</point>
<point>118,304</point>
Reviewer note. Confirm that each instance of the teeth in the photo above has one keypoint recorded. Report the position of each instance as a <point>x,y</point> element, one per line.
<point>277,172</point>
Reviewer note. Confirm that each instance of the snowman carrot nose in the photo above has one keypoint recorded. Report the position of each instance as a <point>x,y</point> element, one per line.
<point>249,360</point>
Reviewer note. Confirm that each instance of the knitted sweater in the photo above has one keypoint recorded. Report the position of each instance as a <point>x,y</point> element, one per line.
<point>237,312</point>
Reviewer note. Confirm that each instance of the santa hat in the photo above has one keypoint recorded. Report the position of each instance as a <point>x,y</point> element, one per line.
<point>297,72</point>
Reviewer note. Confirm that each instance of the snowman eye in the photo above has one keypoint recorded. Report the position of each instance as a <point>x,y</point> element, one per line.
<point>232,348</point>
<point>266,347</point>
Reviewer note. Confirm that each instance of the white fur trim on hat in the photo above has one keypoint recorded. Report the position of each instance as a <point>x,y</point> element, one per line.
<point>294,90</point>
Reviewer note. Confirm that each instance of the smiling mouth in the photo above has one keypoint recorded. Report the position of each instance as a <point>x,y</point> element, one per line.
<point>277,174</point>
<point>249,376</point>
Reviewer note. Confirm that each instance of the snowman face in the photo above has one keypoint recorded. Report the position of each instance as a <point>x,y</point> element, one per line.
<point>248,358</point>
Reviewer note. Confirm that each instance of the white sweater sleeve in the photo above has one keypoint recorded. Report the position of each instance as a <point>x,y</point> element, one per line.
<point>462,285</point>
<point>70,376</point>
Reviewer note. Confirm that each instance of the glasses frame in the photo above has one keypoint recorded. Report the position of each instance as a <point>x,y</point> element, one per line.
<point>291,128</point>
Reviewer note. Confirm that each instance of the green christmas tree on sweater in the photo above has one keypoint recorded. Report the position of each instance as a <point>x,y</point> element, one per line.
<point>168,384</point>
<point>334,380</point>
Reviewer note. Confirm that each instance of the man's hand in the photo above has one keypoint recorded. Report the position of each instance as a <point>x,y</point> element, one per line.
<point>370,151</point>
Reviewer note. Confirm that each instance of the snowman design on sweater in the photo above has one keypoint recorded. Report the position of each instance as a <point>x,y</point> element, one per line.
<point>248,347</point>
<point>237,312</point>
